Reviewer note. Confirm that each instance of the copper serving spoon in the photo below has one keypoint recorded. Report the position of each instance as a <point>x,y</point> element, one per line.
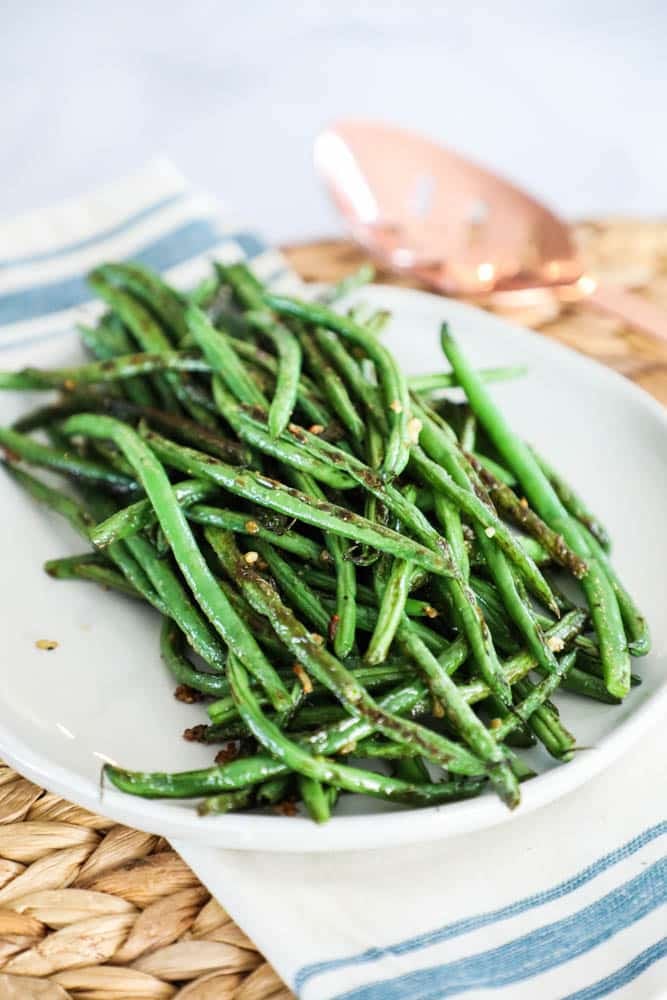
<point>419,208</point>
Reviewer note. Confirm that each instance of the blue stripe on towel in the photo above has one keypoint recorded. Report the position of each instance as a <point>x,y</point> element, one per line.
<point>624,975</point>
<point>531,954</point>
<point>182,244</point>
<point>469,924</point>
<point>98,237</point>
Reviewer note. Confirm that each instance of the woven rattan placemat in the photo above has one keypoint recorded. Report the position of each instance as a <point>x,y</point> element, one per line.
<point>95,911</point>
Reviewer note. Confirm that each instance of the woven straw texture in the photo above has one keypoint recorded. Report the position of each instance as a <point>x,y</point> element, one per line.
<point>90,910</point>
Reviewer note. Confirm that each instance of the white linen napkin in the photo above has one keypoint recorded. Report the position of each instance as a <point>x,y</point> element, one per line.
<point>565,902</point>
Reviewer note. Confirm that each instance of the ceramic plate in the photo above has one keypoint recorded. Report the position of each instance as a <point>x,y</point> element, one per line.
<point>103,694</point>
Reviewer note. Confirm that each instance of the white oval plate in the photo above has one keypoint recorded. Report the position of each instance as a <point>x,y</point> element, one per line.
<point>103,694</point>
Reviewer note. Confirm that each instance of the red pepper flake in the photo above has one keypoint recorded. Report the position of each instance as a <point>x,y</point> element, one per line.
<point>195,734</point>
<point>187,694</point>
<point>286,808</point>
<point>228,753</point>
<point>10,456</point>
<point>304,679</point>
<point>437,709</point>
<point>334,622</point>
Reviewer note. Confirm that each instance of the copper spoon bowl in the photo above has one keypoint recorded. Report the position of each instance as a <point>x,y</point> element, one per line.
<point>421,209</point>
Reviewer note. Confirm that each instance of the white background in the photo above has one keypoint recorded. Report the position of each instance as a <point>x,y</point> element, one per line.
<point>567,97</point>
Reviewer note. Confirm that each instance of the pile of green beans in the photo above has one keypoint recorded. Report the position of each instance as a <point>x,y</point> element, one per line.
<point>358,574</point>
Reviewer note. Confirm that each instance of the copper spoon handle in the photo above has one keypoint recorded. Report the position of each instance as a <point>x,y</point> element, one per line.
<point>630,308</point>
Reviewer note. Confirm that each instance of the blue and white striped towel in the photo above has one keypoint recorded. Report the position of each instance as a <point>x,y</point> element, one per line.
<point>566,902</point>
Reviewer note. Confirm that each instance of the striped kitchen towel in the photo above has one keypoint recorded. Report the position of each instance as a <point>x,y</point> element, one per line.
<point>152,216</point>
<point>565,902</point>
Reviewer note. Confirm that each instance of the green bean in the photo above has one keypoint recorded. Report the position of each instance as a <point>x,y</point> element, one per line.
<point>308,396</point>
<point>293,587</point>
<point>332,347</point>
<point>516,602</point>
<point>459,712</point>
<point>218,349</point>
<point>320,768</point>
<point>20,446</point>
<point>84,567</point>
<point>337,738</point>
<point>546,725</point>
<point>393,383</point>
<point>183,428</point>
<point>415,521</point>
<point>584,684</point>
<point>140,515</point>
<point>392,588</point>
<point>599,593</point>
<point>414,607</point>
<point>534,699</point>
<point>410,769</point>
<point>450,521</point>
<point>494,613</point>
<point>333,388</point>
<point>391,610</point>
<point>366,619</point>
<point>187,554</point>
<point>267,492</point>
<point>273,791</point>
<point>180,667</point>
<point>243,524</point>
<point>495,468</point>
<point>205,291</point>
<point>509,503</point>
<point>177,603</point>
<point>255,433</point>
<point>484,516</point>
<point>517,666</point>
<point>223,710</point>
<point>573,503</point>
<point>216,805</point>
<point>110,340</point>
<point>343,622</point>
<point>249,290</point>
<point>434,381</point>
<point>328,670</point>
<point>315,798</point>
<point>165,302</point>
<point>44,416</point>
<point>636,628</point>
<point>70,509</point>
<point>413,697</point>
<point>144,328</point>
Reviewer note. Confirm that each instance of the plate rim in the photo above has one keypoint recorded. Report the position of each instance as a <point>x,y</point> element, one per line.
<point>361,832</point>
